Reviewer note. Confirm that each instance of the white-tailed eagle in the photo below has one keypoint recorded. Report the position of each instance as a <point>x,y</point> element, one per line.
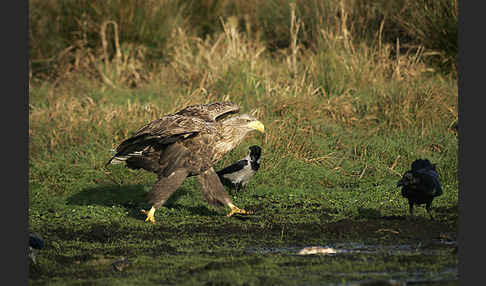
<point>187,143</point>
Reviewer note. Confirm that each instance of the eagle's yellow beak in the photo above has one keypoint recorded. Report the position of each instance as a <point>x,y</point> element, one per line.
<point>257,125</point>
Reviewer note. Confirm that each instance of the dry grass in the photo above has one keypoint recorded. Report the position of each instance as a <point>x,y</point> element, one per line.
<point>62,32</point>
<point>297,93</point>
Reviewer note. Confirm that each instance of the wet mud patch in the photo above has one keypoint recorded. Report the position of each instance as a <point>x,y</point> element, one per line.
<point>218,265</point>
<point>368,246</point>
<point>96,232</point>
<point>434,247</point>
<point>406,265</point>
<point>407,228</point>
<point>409,250</point>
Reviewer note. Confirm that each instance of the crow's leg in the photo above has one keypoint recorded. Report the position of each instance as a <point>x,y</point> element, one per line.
<point>427,207</point>
<point>410,208</point>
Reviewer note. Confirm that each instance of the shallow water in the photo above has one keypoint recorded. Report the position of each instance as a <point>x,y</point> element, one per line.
<point>357,247</point>
<point>446,276</point>
<point>406,278</point>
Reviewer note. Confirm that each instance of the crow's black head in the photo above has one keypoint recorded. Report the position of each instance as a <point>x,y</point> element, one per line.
<point>422,164</point>
<point>35,241</point>
<point>255,152</point>
<point>407,180</point>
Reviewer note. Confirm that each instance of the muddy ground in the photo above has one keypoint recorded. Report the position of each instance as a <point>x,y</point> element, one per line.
<point>261,249</point>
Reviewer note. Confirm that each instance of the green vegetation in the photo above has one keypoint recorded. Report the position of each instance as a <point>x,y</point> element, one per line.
<point>346,109</point>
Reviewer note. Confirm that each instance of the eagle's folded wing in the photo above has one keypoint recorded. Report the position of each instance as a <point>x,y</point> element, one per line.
<point>166,130</point>
<point>210,112</point>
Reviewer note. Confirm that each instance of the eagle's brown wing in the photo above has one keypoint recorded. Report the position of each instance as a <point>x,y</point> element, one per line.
<point>210,112</point>
<point>166,130</point>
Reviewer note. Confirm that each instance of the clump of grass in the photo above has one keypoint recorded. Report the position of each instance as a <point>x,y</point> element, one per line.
<point>71,35</point>
<point>433,24</point>
<point>68,35</point>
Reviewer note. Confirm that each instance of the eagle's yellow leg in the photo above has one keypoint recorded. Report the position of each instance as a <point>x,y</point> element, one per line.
<point>237,210</point>
<point>149,214</point>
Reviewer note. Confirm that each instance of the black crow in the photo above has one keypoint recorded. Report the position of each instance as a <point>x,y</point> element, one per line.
<point>237,175</point>
<point>420,185</point>
<point>35,244</point>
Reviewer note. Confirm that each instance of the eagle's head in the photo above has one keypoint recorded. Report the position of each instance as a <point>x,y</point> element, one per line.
<point>244,123</point>
<point>234,129</point>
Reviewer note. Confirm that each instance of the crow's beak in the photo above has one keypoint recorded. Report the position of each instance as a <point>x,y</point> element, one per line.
<point>400,183</point>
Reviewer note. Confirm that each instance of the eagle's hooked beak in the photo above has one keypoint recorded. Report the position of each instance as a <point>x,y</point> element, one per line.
<point>257,125</point>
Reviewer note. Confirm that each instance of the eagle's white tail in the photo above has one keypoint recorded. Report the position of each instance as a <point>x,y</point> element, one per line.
<point>120,159</point>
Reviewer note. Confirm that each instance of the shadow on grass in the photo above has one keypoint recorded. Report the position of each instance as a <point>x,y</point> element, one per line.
<point>133,199</point>
<point>451,209</point>
<point>369,213</point>
<point>202,210</point>
<point>109,195</point>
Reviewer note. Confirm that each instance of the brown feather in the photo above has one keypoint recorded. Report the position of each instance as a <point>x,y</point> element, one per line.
<point>164,187</point>
<point>210,112</point>
<point>212,189</point>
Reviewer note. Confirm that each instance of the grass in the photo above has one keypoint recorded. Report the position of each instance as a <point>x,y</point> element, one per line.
<point>144,27</point>
<point>343,123</point>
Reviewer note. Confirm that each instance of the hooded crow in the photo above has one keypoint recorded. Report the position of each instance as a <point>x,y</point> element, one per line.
<point>237,175</point>
<point>35,244</point>
<point>421,185</point>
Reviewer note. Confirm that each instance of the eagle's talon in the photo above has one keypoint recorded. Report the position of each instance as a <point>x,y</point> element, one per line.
<point>236,210</point>
<point>149,214</point>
